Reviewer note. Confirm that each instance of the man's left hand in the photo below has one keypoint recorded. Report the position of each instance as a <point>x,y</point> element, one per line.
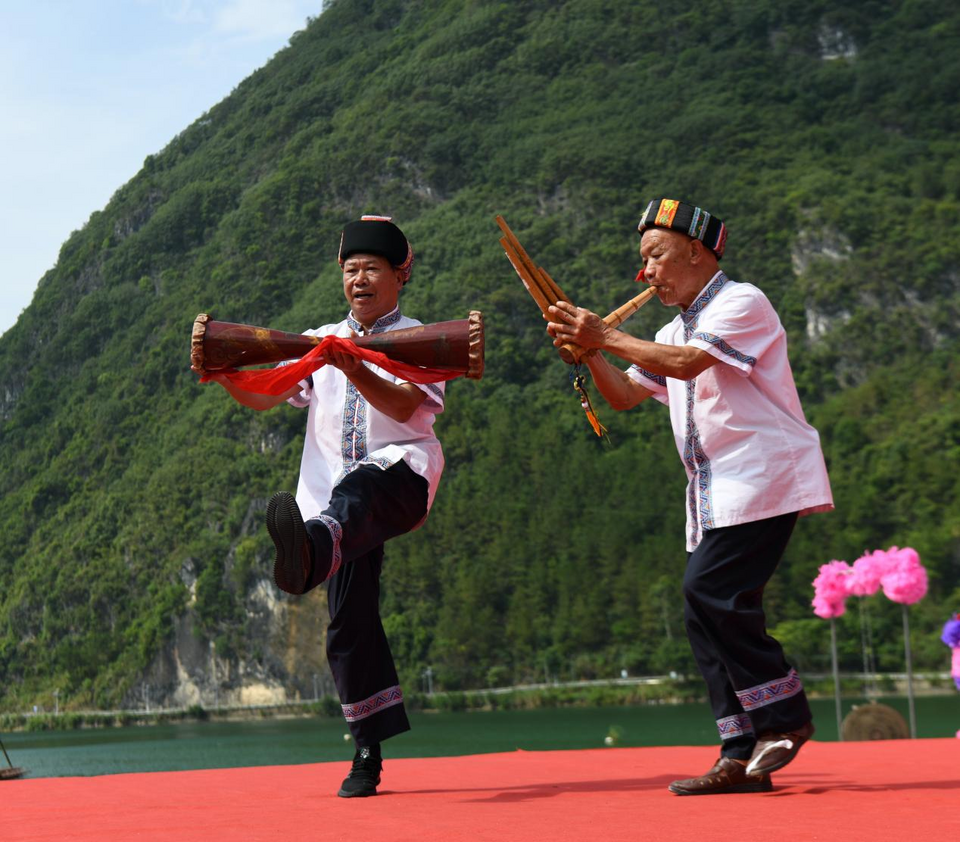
<point>345,361</point>
<point>577,326</point>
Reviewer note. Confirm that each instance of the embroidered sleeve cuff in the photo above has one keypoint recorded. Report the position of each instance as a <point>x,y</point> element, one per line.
<point>718,347</point>
<point>655,383</point>
<point>434,392</point>
<point>302,400</point>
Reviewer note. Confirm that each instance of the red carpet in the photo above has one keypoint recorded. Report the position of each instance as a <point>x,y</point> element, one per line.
<point>896,790</point>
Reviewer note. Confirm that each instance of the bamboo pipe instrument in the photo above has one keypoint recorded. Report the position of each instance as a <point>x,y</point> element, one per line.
<point>545,291</point>
<point>625,311</point>
<point>542,288</point>
<point>619,316</point>
<point>539,284</point>
<point>534,287</point>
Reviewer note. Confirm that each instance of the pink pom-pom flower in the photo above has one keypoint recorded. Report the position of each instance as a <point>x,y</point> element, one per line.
<point>829,588</point>
<point>827,609</point>
<point>905,580</point>
<point>830,581</point>
<point>866,573</point>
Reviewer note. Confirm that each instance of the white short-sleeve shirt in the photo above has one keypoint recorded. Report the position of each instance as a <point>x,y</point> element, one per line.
<point>748,450</point>
<point>344,431</point>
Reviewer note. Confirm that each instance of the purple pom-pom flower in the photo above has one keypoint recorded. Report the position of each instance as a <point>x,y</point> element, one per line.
<point>951,631</point>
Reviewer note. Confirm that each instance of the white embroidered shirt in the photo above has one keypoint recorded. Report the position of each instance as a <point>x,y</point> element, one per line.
<point>748,450</point>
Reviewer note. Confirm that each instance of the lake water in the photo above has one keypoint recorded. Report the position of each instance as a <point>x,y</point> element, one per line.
<point>269,742</point>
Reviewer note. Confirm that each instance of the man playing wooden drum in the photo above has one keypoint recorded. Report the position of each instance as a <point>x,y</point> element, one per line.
<point>370,467</point>
<point>753,466</point>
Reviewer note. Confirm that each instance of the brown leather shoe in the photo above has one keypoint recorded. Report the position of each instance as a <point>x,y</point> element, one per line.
<point>726,776</point>
<point>774,751</point>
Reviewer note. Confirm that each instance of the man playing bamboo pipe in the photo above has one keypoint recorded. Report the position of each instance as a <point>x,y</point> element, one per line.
<point>753,466</point>
<point>371,464</point>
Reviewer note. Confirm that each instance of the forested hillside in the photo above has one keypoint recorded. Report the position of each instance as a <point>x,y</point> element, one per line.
<point>824,134</point>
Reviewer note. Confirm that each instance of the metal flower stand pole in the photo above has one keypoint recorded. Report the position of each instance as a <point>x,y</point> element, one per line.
<point>836,675</point>
<point>906,648</point>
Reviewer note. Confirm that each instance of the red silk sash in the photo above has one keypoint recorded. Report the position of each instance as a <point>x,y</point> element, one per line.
<point>276,381</point>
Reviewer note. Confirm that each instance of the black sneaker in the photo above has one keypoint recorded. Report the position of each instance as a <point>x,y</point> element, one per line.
<point>292,565</point>
<point>364,774</point>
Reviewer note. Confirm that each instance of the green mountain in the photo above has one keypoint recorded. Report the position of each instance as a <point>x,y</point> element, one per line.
<point>133,560</point>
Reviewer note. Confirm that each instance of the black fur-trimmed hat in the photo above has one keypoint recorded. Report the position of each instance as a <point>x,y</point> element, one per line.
<point>687,219</point>
<point>377,235</point>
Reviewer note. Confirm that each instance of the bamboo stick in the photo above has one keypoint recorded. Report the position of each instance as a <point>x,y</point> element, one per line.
<point>552,285</point>
<point>531,270</point>
<point>536,293</point>
<point>543,297</point>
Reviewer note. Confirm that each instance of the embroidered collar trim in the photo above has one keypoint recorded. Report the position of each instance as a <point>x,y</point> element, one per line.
<point>379,325</point>
<point>707,294</point>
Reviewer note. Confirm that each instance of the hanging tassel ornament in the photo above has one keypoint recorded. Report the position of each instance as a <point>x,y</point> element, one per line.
<point>580,385</point>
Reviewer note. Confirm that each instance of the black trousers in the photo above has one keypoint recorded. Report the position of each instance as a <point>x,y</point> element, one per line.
<point>752,688</point>
<point>367,508</point>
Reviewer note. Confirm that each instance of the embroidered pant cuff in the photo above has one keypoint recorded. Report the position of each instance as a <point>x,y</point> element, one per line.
<point>324,533</point>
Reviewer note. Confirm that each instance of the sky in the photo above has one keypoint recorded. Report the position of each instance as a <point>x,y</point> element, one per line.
<point>90,88</point>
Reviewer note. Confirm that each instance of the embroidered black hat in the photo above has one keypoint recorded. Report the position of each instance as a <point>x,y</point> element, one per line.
<point>377,235</point>
<point>687,219</point>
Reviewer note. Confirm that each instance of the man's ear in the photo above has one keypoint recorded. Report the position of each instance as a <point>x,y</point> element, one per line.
<point>696,251</point>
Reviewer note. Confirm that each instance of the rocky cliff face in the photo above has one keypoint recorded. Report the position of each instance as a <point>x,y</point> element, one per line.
<point>820,244</point>
<point>281,658</point>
